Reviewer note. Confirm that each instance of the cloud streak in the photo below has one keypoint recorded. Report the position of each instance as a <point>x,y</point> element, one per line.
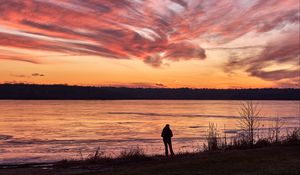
<point>284,50</point>
<point>37,75</point>
<point>152,31</point>
<point>137,85</point>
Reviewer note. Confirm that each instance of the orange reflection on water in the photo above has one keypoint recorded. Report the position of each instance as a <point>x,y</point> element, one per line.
<point>32,131</point>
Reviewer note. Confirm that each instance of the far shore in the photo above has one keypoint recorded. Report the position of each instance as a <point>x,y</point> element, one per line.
<point>71,92</point>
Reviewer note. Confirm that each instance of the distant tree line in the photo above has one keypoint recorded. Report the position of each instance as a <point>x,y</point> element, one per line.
<point>50,92</point>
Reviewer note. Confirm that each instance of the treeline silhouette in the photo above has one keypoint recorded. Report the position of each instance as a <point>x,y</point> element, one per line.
<point>51,92</point>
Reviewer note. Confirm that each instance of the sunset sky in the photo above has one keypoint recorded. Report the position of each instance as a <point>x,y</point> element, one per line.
<point>151,43</point>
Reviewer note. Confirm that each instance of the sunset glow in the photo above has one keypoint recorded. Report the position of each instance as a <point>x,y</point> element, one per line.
<point>147,43</point>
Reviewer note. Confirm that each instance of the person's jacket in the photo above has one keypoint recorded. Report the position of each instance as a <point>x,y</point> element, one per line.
<point>166,133</point>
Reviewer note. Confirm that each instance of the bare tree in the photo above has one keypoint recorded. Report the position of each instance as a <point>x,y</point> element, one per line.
<point>249,119</point>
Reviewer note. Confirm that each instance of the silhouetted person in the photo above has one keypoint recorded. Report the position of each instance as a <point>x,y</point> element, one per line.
<point>166,134</point>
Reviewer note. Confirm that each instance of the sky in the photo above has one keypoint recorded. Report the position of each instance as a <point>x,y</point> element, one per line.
<point>151,43</point>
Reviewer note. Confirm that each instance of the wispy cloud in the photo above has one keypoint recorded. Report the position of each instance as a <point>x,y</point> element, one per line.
<point>137,85</point>
<point>37,75</point>
<point>153,31</point>
<point>27,76</point>
<point>284,50</point>
<point>19,75</point>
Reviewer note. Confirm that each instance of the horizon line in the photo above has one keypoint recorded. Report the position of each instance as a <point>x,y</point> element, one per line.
<point>140,87</point>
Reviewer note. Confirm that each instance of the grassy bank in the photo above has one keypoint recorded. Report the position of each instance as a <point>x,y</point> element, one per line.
<point>268,160</point>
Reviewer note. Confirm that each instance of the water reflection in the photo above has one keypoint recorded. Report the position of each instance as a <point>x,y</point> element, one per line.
<point>51,130</point>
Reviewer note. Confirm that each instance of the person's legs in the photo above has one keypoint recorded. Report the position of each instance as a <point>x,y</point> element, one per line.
<point>170,146</point>
<point>166,147</point>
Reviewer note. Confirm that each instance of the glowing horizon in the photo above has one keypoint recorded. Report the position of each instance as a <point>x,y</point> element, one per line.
<point>144,43</point>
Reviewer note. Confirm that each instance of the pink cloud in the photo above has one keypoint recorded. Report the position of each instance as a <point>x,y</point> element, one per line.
<point>282,50</point>
<point>152,31</point>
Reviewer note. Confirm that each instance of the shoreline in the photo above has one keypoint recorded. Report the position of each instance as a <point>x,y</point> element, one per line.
<point>243,160</point>
<point>69,92</point>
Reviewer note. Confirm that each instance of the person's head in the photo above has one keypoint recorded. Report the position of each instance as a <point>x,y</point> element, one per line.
<point>167,126</point>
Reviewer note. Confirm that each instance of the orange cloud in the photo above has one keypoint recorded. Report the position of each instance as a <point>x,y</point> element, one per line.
<point>152,31</point>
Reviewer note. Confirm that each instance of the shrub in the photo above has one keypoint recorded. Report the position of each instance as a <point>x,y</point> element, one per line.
<point>212,138</point>
<point>292,138</point>
<point>133,154</point>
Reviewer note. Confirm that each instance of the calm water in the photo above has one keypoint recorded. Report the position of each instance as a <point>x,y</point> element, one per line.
<point>33,131</point>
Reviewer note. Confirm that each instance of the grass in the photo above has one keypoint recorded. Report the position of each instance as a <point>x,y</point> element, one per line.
<point>133,154</point>
<point>264,156</point>
<point>272,160</point>
<point>260,161</point>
